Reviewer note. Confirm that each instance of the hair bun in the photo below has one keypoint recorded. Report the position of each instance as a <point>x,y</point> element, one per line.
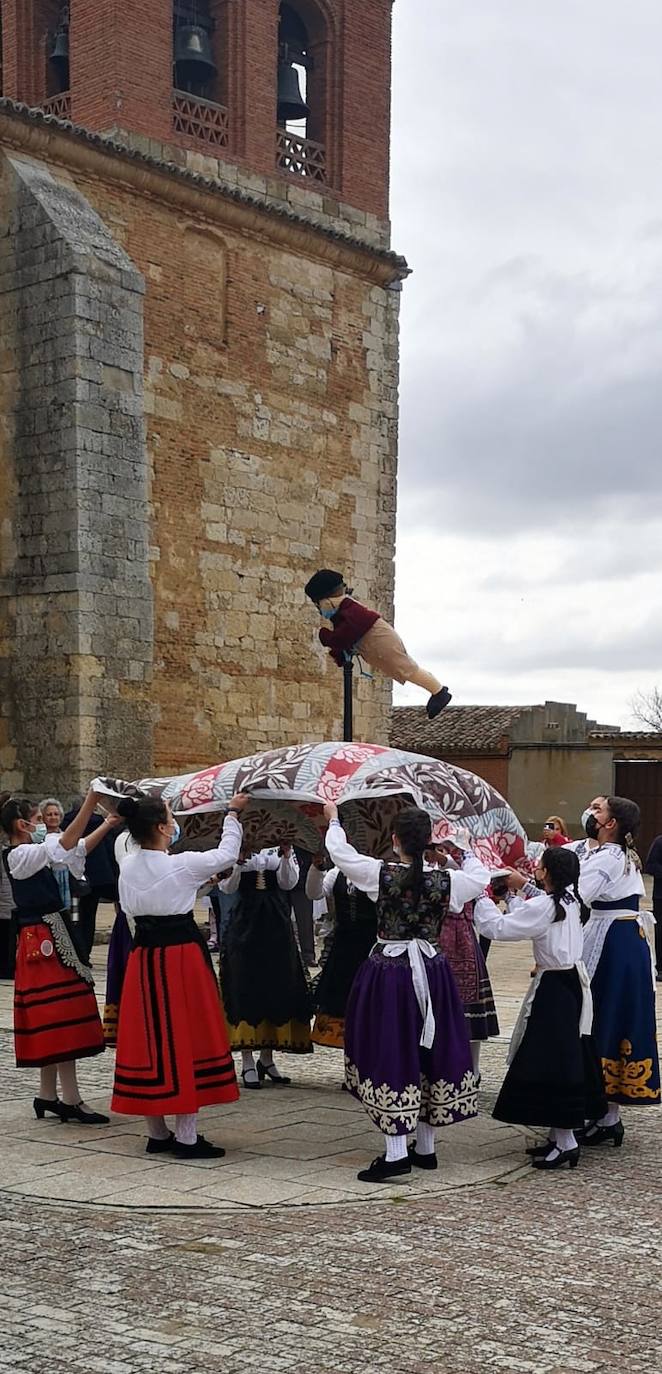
<point>127,807</point>
<point>4,798</point>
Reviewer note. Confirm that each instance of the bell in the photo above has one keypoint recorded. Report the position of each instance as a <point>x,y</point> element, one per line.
<point>60,50</point>
<point>291,104</point>
<point>193,55</point>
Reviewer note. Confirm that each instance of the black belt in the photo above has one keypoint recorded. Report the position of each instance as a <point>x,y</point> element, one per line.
<point>623,904</point>
<point>159,932</point>
<point>33,918</point>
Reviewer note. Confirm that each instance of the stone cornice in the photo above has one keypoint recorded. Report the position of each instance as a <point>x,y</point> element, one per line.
<point>52,140</point>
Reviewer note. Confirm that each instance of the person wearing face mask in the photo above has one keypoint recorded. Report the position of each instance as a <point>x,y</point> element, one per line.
<point>618,953</point>
<point>56,1020</point>
<point>354,629</point>
<point>173,1054</point>
<point>407,1054</point>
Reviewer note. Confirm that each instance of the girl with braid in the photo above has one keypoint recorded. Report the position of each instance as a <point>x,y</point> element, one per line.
<point>554,1076</point>
<point>619,955</point>
<point>407,1054</point>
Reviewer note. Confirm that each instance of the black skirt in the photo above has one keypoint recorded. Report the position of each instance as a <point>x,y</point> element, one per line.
<point>555,1078</point>
<point>351,944</point>
<point>7,948</point>
<point>262,977</point>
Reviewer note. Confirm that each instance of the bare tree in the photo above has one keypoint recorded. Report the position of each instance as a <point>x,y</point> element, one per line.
<point>646,707</point>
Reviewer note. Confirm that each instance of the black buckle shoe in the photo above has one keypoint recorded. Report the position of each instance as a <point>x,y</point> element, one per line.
<point>160,1147</point>
<point>561,1157</point>
<point>271,1072</point>
<point>599,1135</point>
<point>381,1171</point>
<point>203,1149</point>
<point>422,1161</point>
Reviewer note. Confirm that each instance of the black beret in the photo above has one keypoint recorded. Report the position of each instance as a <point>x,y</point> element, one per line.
<point>324,583</point>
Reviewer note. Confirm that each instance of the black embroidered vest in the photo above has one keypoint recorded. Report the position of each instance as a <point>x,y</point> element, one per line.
<point>400,917</point>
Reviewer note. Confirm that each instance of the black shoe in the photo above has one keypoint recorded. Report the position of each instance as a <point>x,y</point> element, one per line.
<point>43,1104</point>
<point>561,1157</point>
<point>78,1113</point>
<point>271,1072</point>
<point>380,1171</point>
<point>539,1151</point>
<point>599,1135</point>
<point>437,702</point>
<point>421,1161</point>
<point>160,1147</point>
<point>245,1080</point>
<point>203,1149</point>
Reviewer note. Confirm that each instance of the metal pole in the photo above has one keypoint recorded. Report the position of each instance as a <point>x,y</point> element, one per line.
<point>348,699</point>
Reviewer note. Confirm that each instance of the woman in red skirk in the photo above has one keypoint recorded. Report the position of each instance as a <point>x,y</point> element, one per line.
<point>56,1020</point>
<point>173,1054</point>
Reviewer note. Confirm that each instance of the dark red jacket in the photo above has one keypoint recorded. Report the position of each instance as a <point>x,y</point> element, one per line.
<point>350,623</point>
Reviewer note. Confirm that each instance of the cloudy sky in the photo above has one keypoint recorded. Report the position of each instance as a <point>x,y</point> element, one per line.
<point>527,197</point>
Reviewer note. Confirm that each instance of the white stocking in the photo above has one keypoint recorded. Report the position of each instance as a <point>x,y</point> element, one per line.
<point>475,1056</point>
<point>70,1089</point>
<point>156,1128</point>
<point>48,1082</point>
<point>247,1061</point>
<point>565,1140</point>
<point>267,1058</point>
<point>424,1139</point>
<point>613,1115</point>
<point>396,1147</point>
<point>186,1129</point>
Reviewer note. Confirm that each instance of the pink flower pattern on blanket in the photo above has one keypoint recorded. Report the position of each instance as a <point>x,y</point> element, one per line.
<point>369,782</point>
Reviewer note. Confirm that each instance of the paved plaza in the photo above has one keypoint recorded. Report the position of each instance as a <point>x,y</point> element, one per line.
<point>277,1258</point>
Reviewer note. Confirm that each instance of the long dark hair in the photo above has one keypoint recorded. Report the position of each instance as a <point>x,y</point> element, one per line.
<point>413,828</point>
<point>562,868</point>
<point>142,815</point>
<point>13,809</point>
<point>627,815</point>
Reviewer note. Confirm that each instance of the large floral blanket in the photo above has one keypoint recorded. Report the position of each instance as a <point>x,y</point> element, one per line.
<point>369,782</point>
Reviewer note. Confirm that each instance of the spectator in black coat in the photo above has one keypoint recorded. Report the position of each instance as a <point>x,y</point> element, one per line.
<point>101,875</point>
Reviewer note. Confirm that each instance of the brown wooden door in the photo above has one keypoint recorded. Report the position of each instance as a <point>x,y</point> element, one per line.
<point>641,780</point>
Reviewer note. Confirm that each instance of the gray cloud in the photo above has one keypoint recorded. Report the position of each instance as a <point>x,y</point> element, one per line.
<point>527,142</point>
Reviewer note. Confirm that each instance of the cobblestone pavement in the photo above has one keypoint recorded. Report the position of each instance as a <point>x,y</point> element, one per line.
<point>513,1271</point>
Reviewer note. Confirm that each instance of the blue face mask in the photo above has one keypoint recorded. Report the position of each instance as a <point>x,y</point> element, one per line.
<point>328,615</point>
<point>39,833</point>
<point>176,834</point>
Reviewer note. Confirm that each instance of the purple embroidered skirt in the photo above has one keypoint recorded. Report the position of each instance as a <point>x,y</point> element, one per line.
<point>386,1068</point>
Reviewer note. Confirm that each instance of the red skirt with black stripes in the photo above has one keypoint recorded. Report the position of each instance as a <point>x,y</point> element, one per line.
<point>173,1054</point>
<point>56,1017</point>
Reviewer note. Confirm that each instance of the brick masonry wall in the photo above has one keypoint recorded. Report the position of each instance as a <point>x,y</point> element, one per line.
<point>121,80</point>
<point>270,396</point>
<point>76,601</point>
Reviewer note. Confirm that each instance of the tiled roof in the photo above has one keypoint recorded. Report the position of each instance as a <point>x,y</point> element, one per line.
<point>107,144</point>
<point>643,737</point>
<point>459,729</point>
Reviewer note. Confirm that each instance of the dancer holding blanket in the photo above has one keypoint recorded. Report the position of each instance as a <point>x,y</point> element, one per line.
<point>554,1077</point>
<point>407,1054</point>
<point>619,951</point>
<point>172,1045</point>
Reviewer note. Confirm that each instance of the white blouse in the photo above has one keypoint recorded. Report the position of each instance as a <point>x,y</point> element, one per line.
<point>467,882</point>
<point>27,859</point>
<point>606,874</point>
<point>155,883</point>
<point>285,867</point>
<point>556,944</point>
